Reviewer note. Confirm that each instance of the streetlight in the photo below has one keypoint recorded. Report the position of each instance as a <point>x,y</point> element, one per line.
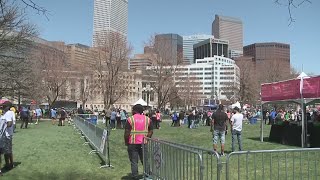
<point>147,90</point>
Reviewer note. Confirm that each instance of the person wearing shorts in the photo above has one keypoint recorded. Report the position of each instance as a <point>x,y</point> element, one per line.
<point>219,120</point>
<point>53,116</point>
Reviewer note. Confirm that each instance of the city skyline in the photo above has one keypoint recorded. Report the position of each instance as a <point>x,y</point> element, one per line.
<point>259,25</point>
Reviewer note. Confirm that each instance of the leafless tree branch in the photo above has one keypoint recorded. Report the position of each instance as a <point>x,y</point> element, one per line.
<point>290,4</point>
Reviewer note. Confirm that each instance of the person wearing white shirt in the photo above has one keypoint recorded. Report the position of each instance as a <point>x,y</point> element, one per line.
<point>236,127</point>
<point>9,117</point>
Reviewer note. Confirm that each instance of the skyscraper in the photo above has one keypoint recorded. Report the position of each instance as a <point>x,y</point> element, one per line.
<point>230,29</point>
<point>210,47</point>
<point>110,16</point>
<point>269,58</point>
<point>169,47</point>
<point>269,52</point>
<point>188,42</point>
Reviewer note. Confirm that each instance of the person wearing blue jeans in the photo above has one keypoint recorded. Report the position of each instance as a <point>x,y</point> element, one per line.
<point>113,119</point>
<point>236,126</point>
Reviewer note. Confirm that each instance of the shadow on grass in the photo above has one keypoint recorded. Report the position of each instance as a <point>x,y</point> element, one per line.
<point>265,139</point>
<point>5,170</point>
<point>129,177</point>
<point>102,159</point>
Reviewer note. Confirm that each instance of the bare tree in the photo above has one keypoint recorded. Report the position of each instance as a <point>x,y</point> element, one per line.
<point>111,63</point>
<point>16,79</point>
<point>16,67</point>
<point>52,74</point>
<point>87,86</point>
<point>15,31</point>
<point>163,71</point>
<point>231,90</point>
<point>290,5</point>
<point>249,88</point>
<point>273,71</point>
<point>189,90</point>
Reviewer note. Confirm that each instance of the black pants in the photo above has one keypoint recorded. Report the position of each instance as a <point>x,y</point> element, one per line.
<point>25,121</point>
<point>118,122</point>
<point>107,121</point>
<point>157,124</point>
<point>123,123</point>
<point>113,124</point>
<point>135,153</point>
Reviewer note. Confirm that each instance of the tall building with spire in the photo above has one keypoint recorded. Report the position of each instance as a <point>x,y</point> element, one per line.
<point>110,16</point>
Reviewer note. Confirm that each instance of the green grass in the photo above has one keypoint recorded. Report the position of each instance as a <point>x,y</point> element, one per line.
<point>52,152</point>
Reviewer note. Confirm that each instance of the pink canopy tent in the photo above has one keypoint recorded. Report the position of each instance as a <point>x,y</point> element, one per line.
<point>3,101</point>
<point>302,90</point>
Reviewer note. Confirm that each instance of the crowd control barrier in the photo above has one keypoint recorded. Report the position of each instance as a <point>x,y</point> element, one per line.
<point>211,165</point>
<point>97,137</point>
<point>274,164</point>
<point>163,160</point>
<point>168,160</point>
<point>92,117</point>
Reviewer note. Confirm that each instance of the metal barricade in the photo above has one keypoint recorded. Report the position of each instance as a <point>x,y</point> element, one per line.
<point>211,166</point>
<point>97,137</point>
<point>163,160</point>
<point>274,164</point>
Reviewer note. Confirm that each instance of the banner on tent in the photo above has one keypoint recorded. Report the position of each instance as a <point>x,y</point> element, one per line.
<point>290,89</point>
<point>311,87</point>
<point>281,90</point>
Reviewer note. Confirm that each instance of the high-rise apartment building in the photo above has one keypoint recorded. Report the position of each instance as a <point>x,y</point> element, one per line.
<point>188,42</point>
<point>230,29</point>
<point>110,16</point>
<point>169,47</point>
<point>210,48</point>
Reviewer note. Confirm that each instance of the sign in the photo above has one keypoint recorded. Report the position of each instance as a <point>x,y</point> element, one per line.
<point>103,140</point>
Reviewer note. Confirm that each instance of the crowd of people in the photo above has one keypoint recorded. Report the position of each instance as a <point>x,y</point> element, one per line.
<point>117,118</point>
<point>10,114</point>
<point>279,116</point>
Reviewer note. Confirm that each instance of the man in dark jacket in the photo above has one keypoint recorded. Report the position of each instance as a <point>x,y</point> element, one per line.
<point>24,116</point>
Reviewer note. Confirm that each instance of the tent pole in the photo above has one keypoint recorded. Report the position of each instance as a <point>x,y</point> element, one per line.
<point>303,124</point>
<point>262,124</point>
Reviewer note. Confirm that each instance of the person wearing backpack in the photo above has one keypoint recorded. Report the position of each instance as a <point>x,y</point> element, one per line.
<point>6,134</point>
<point>63,115</point>
<point>24,116</point>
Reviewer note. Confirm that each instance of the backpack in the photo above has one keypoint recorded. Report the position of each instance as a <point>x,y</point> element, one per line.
<point>63,114</point>
<point>3,131</point>
<point>24,114</point>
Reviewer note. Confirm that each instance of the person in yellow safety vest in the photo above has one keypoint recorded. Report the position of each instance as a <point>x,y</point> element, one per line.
<point>137,127</point>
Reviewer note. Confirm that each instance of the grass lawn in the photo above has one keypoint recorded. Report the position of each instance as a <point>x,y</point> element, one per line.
<point>45,151</point>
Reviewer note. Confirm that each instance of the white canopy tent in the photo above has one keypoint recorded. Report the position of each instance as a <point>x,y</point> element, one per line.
<point>140,101</point>
<point>237,104</point>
